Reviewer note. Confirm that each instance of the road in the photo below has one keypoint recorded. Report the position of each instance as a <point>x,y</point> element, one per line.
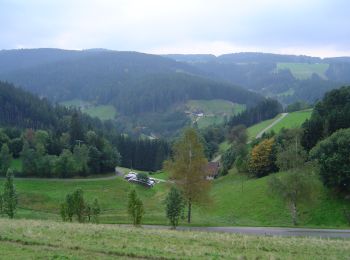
<point>283,115</point>
<point>267,231</point>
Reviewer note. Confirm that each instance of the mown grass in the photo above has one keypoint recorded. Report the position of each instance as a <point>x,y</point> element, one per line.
<point>234,200</point>
<point>257,128</point>
<point>103,112</point>
<point>46,239</point>
<point>304,70</point>
<point>292,120</point>
<point>214,110</point>
<point>107,112</point>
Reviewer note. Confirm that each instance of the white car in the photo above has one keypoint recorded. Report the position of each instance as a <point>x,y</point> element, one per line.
<point>130,175</point>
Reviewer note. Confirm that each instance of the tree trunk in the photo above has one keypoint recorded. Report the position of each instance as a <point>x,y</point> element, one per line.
<point>294,213</point>
<point>189,211</point>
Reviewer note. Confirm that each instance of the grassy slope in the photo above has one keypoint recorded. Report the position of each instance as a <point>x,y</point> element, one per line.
<point>292,120</point>
<point>44,239</point>
<point>214,110</point>
<point>230,204</point>
<point>255,129</point>
<point>304,70</point>
<point>103,112</point>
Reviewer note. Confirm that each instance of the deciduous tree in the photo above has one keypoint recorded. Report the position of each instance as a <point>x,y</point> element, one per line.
<point>188,169</point>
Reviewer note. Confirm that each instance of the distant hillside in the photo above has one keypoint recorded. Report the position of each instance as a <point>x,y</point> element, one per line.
<point>134,83</point>
<point>285,77</point>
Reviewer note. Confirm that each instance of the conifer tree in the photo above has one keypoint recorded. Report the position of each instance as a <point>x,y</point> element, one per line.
<point>10,195</point>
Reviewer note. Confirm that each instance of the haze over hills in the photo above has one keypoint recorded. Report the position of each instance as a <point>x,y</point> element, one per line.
<point>159,87</point>
<point>286,77</point>
<point>139,86</point>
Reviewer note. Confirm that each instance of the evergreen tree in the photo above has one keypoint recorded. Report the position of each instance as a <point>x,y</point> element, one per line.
<point>76,129</point>
<point>188,169</point>
<point>10,195</point>
<point>95,211</point>
<point>5,159</point>
<point>135,208</point>
<point>174,206</point>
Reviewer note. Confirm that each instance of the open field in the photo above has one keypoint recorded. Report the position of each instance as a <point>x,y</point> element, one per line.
<point>292,120</point>
<point>46,239</point>
<point>103,112</point>
<point>214,111</point>
<point>235,200</point>
<point>257,128</point>
<point>304,70</point>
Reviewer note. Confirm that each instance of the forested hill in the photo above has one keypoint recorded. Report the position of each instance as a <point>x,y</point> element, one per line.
<point>286,77</point>
<point>24,110</point>
<point>106,76</point>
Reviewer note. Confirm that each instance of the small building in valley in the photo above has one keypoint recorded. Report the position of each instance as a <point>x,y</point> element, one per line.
<point>213,170</point>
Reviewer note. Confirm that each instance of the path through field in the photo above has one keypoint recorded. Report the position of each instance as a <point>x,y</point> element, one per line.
<point>283,115</point>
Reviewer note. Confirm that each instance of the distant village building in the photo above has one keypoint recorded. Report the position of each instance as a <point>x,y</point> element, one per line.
<point>213,170</point>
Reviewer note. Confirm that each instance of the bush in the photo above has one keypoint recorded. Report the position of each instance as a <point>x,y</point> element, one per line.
<point>332,155</point>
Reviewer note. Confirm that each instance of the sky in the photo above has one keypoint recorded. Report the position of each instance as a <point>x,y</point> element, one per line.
<point>309,27</point>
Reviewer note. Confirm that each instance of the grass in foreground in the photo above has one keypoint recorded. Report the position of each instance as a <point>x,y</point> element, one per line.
<point>46,239</point>
<point>235,200</point>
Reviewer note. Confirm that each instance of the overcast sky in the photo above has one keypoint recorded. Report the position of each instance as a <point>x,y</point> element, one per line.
<point>312,27</point>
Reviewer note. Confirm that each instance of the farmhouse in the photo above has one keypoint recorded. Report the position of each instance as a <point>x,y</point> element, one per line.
<point>213,170</point>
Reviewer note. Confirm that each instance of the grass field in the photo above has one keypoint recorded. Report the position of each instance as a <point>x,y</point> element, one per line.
<point>292,120</point>
<point>103,112</point>
<point>214,110</point>
<point>257,128</point>
<point>16,164</point>
<point>24,239</point>
<point>304,70</point>
<point>235,200</point>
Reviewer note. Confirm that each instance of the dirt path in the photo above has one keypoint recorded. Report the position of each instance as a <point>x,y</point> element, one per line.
<point>283,115</point>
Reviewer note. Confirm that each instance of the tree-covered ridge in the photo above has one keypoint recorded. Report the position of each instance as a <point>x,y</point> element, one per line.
<point>53,141</point>
<point>329,115</point>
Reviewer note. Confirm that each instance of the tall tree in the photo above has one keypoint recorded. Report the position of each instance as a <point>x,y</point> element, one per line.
<point>294,188</point>
<point>5,159</point>
<point>188,169</point>
<point>76,129</point>
<point>10,195</point>
<point>262,158</point>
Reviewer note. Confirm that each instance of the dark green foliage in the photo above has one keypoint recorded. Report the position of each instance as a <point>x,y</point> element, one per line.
<point>95,211</point>
<point>333,158</point>
<point>297,106</point>
<point>9,196</point>
<point>135,208</point>
<point>5,159</point>
<point>227,160</point>
<point>264,110</point>
<point>329,115</point>
<point>65,165</point>
<point>75,205</point>
<point>143,177</point>
<point>175,205</point>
